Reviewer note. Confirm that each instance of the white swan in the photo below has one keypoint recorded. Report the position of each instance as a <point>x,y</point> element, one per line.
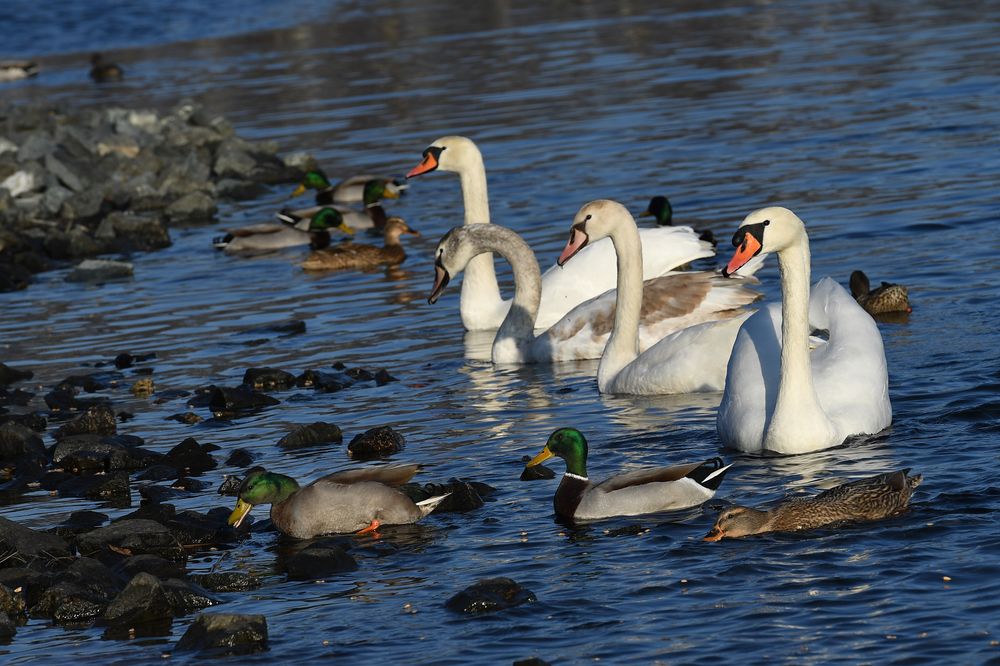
<point>691,359</point>
<point>780,397</point>
<point>482,307</point>
<point>669,302</point>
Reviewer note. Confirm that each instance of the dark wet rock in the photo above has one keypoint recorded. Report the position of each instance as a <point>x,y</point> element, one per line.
<point>489,595</point>
<point>65,400</point>
<point>159,494</point>
<point>112,487</point>
<point>282,329</point>
<point>319,560</point>
<point>80,522</point>
<point>224,401</point>
<point>531,661</point>
<point>17,397</point>
<point>94,576</point>
<point>189,485</point>
<point>155,511</point>
<point>17,440</point>
<point>230,486</point>
<point>324,380</point>
<point>7,628</point>
<point>240,458</point>
<point>227,581</point>
<point>11,603</point>
<point>150,564</point>
<point>118,452</point>
<point>359,374</point>
<point>23,546</point>
<point>537,472</point>
<point>101,270</point>
<point>380,442</point>
<point>21,473</point>
<point>143,600</point>
<point>192,457</point>
<point>268,379</point>
<point>9,375</point>
<point>35,421</point>
<point>69,602</point>
<point>131,537</point>
<point>124,360</point>
<point>193,528</point>
<point>192,206</point>
<point>218,634</point>
<point>382,377</point>
<point>314,433</point>
<point>186,596</point>
<point>99,420</point>
<point>158,473</point>
<point>135,233</point>
<point>462,495</point>
<point>189,418</point>
<point>95,381</point>
<point>31,583</point>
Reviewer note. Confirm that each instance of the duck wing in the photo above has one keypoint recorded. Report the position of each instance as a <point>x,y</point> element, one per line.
<point>642,477</point>
<point>390,475</point>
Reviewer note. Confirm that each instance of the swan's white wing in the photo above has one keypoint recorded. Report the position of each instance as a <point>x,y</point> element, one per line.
<point>593,270</point>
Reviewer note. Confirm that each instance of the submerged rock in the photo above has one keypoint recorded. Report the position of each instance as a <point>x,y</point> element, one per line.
<point>263,379</point>
<point>9,375</point>
<point>240,458</point>
<point>131,537</point>
<point>319,560</point>
<point>462,495</point>
<point>97,420</point>
<point>380,442</point>
<point>231,401</point>
<point>192,457</point>
<point>227,581</point>
<point>101,270</point>
<point>314,433</point>
<point>218,634</point>
<point>490,595</point>
<point>23,546</point>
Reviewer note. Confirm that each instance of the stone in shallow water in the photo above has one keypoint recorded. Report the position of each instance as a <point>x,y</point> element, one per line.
<point>17,440</point>
<point>240,458</point>
<point>24,546</point>
<point>462,495</point>
<point>490,595</point>
<point>380,442</point>
<point>227,581</point>
<point>314,433</point>
<point>9,375</point>
<point>131,537</point>
<point>231,401</point>
<point>218,634</point>
<point>191,456</point>
<point>268,379</point>
<point>99,420</point>
<point>100,270</point>
<point>319,560</point>
<point>143,600</point>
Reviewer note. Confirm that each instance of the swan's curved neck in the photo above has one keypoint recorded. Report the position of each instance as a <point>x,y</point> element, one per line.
<point>480,291</point>
<point>797,414</point>
<point>623,345</point>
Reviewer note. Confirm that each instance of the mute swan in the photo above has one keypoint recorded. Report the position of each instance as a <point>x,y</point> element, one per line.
<point>631,493</point>
<point>482,306</point>
<point>688,360</point>
<point>780,397</point>
<point>668,303</point>
<point>360,255</point>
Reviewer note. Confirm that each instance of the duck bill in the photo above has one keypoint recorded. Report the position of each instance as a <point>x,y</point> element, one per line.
<point>441,279</point>
<point>715,534</point>
<point>301,189</point>
<point>577,241</point>
<point>346,229</point>
<point>413,232</point>
<point>390,192</point>
<point>645,213</point>
<point>544,455</point>
<point>241,511</point>
<point>747,250</point>
<point>429,163</point>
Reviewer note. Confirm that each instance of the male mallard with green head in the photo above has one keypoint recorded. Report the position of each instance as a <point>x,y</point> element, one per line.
<point>314,232</point>
<point>373,217</point>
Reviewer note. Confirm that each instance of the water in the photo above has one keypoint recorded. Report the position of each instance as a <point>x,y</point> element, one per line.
<point>877,124</point>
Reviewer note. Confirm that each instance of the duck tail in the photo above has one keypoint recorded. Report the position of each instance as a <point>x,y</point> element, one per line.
<point>430,504</point>
<point>221,242</point>
<point>710,473</point>
<point>287,216</point>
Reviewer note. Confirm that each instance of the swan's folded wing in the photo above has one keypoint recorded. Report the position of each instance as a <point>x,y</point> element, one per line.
<point>641,477</point>
<point>390,475</point>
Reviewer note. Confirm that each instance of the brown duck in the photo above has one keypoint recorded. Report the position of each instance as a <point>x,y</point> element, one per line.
<point>358,255</point>
<point>873,498</point>
<point>887,298</point>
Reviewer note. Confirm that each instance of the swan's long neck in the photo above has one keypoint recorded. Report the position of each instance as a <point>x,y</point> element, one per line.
<point>516,332</point>
<point>798,417</point>
<point>480,291</point>
<point>623,345</point>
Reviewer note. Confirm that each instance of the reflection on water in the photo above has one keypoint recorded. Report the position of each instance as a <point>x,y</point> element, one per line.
<point>876,123</point>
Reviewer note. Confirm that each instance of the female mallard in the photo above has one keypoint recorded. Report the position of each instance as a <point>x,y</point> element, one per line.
<point>356,500</point>
<point>629,494</point>
<point>887,298</point>
<point>373,217</point>
<point>102,71</point>
<point>359,255</point>
<point>873,498</point>
<point>313,231</point>
<point>348,191</point>
<point>12,70</point>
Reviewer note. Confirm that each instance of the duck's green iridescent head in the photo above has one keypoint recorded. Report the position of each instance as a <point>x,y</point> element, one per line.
<point>378,189</point>
<point>327,219</point>
<point>660,208</point>
<point>261,487</point>
<point>313,180</point>
<point>570,445</point>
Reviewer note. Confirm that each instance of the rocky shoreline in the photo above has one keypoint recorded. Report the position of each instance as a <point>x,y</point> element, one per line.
<point>75,184</point>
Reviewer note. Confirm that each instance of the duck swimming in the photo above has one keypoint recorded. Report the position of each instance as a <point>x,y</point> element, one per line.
<point>358,255</point>
<point>373,217</point>
<point>348,191</point>
<point>356,500</point>
<point>628,494</point>
<point>887,298</point>
<point>868,499</point>
<point>314,232</point>
<point>102,71</point>
<point>660,209</point>
<point>13,70</point>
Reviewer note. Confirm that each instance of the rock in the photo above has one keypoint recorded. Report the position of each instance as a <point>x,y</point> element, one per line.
<point>319,560</point>
<point>227,581</point>
<point>17,440</point>
<point>240,458</point>
<point>158,473</point>
<point>233,161</point>
<point>324,380</point>
<point>185,596</point>
<point>218,634</point>
<point>22,546</point>
<point>192,206</point>
<point>490,595</point>
<point>31,583</point>
<point>69,602</point>
<point>190,418</point>
<point>17,397</point>
<point>382,377</point>
<point>124,360</point>
<point>9,375</point>
<point>100,270</point>
<point>282,329</point>
<point>7,629</point>
<point>83,521</point>
<point>537,472</point>
<point>143,388</point>
<point>131,537</point>
<point>231,486</point>
<point>11,603</point>
<point>192,528</point>
<point>98,420</point>
<point>374,443</point>
<point>231,401</point>
<point>143,600</point>
<point>35,421</point>
<point>95,381</point>
<point>65,400</point>
<point>315,433</point>
<point>151,564</point>
<point>462,495</point>
<point>192,457</point>
<point>137,232</point>
<point>58,166</point>
<point>118,452</point>
<point>268,378</point>
<point>531,661</point>
<point>112,487</point>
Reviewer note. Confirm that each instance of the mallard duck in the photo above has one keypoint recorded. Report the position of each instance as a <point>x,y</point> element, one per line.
<point>313,231</point>
<point>659,208</point>
<point>887,298</point>
<point>868,499</point>
<point>348,191</point>
<point>356,500</point>
<point>359,255</point>
<point>373,217</point>
<point>628,494</point>
<point>102,71</point>
<point>12,70</point>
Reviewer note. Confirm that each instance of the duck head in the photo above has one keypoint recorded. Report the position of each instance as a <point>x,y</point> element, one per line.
<point>261,487</point>
<point>378,189</point>
<point>313,180</point>
<point>659,208</point>
<point>592,222</point>
<point>449,153</point>
<point>737,521</point>
<point>764,231</point>
<point>327,219</point>
<point>396,227</point>
<point>568,444</point>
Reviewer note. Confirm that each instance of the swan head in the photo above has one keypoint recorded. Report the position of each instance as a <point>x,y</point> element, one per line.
<point>766,230</point>
<point>737,521</point>
<point>570,445</point>
<point>593,221</point>
<point>453,253</point>
<point>449,153</point>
